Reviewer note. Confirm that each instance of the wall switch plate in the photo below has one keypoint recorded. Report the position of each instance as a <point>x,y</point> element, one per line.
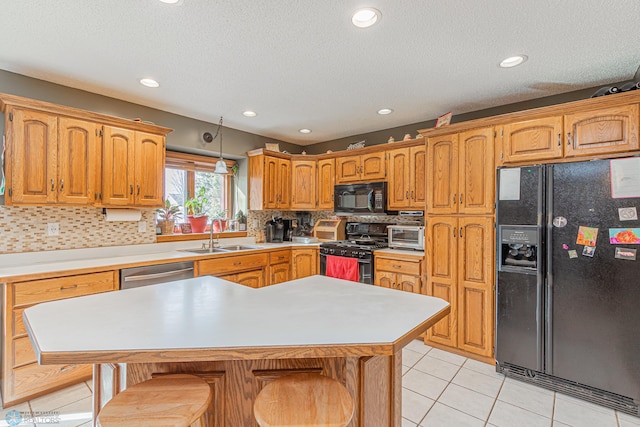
<point>142,226</point>
<point>53,229</point>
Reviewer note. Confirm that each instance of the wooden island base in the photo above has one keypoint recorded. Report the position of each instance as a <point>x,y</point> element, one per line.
<point>374,383</point>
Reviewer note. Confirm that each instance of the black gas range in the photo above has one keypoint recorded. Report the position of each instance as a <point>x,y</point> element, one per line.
<point>362,239</point>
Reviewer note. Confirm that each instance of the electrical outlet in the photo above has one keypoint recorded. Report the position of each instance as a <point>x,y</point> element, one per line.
<point>255,223</point>
<point>142,226</point>
<point>53,229</point>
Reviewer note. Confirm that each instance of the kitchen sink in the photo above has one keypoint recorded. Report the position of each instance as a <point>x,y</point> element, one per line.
<point>239,247</point>
<point>205,251</point>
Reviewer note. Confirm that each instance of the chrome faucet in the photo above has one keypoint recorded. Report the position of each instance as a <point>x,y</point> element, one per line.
<point>213,244</point>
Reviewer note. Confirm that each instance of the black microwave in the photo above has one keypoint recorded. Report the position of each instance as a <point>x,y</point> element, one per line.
<point>361,199</point>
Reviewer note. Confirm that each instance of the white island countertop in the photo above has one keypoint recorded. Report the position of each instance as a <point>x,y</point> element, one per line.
<point>207,318</point>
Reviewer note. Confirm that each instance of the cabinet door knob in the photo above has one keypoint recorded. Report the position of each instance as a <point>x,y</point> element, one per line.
<point>397,266</point>
<point>138,189</point>
<point>569,140</point>
<point>131,189</point>
<point>53,185</point>
<point>407,195</point>
<point>460,231</point>
<point>412,197</point>
<point>559,140</point>
<point>61,185</point>
<point>454,199</point>
<point>460,198</point>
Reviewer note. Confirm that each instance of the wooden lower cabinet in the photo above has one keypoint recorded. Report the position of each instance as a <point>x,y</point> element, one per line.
<point>403,272</point>
<point>279,267</point>
<point>22,377</point>
<point>304,262</point>
<point>460,270</point>
<point>248,270</point>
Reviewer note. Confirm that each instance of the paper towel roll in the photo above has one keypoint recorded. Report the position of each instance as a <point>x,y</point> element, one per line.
<point>123,214</point>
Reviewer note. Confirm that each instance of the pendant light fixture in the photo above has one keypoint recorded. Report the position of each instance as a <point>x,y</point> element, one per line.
<point>221,165</point>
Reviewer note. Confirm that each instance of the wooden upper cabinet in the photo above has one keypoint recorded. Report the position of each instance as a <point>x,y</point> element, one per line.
<point>66,156</point>
<point>149,169</point>
<point>606,131</point>
<point>418,176</point>
<point>373,166</point>
<point>347,169</point>
<point>326,181</point>
<point>476,185</point>
<point>442,166</point>
<point>269,182</point>
<point>32,155</point>
<point>407,178</point>
<point>303,184</point>
<point>585,133</point>
<point>284,183</point>
<point>399,179</point>
<point>53,160</point>
<point>118,169</point>
<point>532,140</point>
<point>461,173</point>
<point>77,161</point>
<point>271,194</point>
<point>365,167</point>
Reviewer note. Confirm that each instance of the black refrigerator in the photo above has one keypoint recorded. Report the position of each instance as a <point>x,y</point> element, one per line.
<point>568,282</point>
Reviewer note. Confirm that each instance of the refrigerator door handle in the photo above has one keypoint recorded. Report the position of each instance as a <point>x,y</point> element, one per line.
<point>547,296</point>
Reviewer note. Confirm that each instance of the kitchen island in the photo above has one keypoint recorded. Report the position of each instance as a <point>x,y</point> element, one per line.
<point>238,339</point>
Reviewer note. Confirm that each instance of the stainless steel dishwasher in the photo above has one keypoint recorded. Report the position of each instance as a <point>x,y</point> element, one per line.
<point>154,274</point>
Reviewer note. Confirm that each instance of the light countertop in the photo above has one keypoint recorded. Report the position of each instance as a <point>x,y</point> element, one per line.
<point>207,318</point>
<point>21,264</point>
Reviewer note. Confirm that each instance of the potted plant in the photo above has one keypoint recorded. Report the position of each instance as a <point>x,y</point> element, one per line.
<point>196,211</point>
<point>219,221</point>
<point>167,216</point>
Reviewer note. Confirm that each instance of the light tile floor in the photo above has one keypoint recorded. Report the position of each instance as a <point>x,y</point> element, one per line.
<point>444,389</point>
<point>438,389</point>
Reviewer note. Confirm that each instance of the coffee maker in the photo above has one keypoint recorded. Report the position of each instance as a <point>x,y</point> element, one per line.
<point>278,230</point>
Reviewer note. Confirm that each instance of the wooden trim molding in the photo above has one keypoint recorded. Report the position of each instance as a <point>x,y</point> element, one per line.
<point>198,236</point>
<point>7,100</point>
<point>193,162</point>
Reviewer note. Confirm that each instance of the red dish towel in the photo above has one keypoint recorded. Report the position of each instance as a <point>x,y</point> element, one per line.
<point>343,268</point>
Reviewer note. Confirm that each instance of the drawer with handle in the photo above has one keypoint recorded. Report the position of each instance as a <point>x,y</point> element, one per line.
<point>279,257</point>
<point>398,266</point>
<point>37,291</point>
<point>220,266</point>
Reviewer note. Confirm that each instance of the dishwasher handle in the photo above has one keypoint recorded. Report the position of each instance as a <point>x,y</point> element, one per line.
<point>157,275</point>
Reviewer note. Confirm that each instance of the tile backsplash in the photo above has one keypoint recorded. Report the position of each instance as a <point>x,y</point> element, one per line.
<point>24,229</point>
<point>263,216</point>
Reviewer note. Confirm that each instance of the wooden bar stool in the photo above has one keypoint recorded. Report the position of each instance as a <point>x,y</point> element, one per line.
<point>303,400</point>
<point>167,400</point>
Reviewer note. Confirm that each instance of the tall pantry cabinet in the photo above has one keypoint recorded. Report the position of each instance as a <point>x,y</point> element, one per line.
<point>460,237</point>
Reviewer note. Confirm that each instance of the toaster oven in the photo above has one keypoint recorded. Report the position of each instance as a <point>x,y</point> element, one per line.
<point>409,237</point>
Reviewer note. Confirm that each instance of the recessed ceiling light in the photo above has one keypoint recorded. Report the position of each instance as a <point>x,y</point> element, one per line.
<point>365,17</point>
<point>249,113</point>
<point>305,130</point>
<point>512,61</point>
<point>149,83</point>
<point>172,1</point>
<point>385,111</point>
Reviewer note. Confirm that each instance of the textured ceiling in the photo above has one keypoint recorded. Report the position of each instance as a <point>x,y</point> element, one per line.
<point>302,64</point>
